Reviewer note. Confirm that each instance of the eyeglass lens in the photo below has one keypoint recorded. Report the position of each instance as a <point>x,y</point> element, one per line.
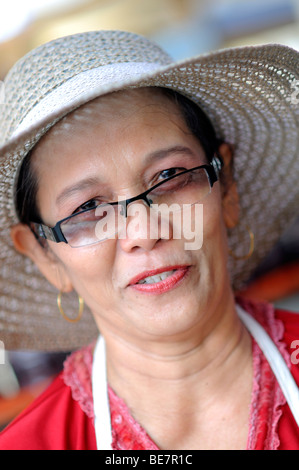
<point>105,221</point>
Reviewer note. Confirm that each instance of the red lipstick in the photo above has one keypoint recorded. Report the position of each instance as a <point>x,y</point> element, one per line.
<point>173,280</point>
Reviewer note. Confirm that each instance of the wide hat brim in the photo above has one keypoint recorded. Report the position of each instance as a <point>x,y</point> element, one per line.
<point>247,92</point>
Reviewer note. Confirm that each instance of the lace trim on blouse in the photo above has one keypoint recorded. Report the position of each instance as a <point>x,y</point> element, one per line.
<point>266,401</point>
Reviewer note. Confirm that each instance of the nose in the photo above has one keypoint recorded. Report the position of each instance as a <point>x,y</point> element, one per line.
<point>143,228</point>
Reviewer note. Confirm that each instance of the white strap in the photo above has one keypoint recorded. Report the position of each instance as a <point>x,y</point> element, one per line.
<point>83,85</point>
<point>102,420</point>
<point>276,361</point>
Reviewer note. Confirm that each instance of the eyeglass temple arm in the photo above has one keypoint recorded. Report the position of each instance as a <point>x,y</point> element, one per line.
<point>216,166</point>
<point>43,231</point>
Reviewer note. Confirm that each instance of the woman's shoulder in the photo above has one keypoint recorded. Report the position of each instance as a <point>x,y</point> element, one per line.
<point>275,320</point>
<point>290,321</point>
<point>288,429</point>
<point>283,327</point>
<point>45,424</point>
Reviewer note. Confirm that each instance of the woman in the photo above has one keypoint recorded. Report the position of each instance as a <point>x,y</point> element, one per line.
<point>111,169</point>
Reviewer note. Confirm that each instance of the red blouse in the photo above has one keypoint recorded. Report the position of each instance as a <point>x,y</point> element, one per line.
<point>62,417</point>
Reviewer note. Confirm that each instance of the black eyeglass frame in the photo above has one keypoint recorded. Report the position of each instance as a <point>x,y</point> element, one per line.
<point>55,233</point>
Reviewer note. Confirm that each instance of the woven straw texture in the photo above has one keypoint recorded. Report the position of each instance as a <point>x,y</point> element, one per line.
<point>247,93</point>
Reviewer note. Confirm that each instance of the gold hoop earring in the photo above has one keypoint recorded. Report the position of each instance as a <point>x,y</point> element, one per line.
<point>68,319</point>
<point>251,247</point>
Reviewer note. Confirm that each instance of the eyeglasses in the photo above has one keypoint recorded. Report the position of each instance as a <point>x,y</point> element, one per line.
<point>82,228</point>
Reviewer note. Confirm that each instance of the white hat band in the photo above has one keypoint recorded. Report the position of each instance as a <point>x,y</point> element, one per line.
<point>81,84</point>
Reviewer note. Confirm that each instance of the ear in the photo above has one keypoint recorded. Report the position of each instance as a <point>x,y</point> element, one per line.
<point>49,265</point>
<point>230,196</point>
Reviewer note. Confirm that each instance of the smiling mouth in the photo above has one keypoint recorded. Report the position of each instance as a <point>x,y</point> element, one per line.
<point>160,281</point>
<point>156,277</point>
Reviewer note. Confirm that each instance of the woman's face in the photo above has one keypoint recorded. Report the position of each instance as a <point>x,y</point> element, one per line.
<point>115,148</point>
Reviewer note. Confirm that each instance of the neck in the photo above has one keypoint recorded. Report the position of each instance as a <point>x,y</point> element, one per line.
<point>180,378</point>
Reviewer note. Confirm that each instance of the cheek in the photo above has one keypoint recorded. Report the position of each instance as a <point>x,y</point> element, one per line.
<point>214,236</point>
<point>213,223</point>
<point>88,267</point>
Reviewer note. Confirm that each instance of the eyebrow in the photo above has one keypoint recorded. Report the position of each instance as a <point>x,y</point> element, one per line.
<point>93,181</point>
<point>75,188</point>
<point>160,154</point>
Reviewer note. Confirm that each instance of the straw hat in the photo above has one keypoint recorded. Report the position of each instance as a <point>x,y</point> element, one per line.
<point>249,93</point>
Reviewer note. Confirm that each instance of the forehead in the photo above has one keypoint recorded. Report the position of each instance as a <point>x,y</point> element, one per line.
<point>117,114</point>
<point>115,144</point>
<point>124,104</point>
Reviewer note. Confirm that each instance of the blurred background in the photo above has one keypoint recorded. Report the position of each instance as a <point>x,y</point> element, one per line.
<point>184,28</point>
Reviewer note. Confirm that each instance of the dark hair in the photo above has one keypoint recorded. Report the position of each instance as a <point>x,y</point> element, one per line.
<point>197,122</point>
<point>26,193</point>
